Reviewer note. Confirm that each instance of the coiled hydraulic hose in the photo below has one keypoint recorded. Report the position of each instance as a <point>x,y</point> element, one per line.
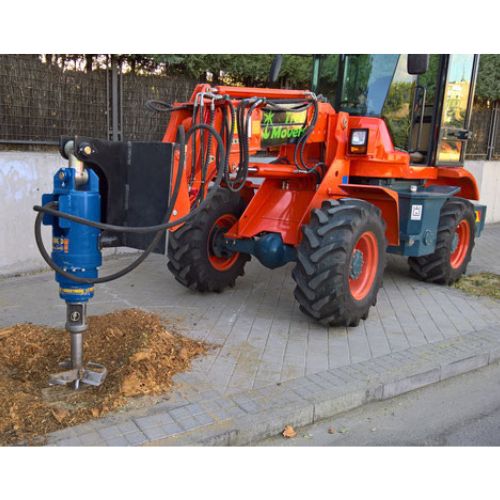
<point>243,125</point>
<point>299,150</point>
<point>183,138</point>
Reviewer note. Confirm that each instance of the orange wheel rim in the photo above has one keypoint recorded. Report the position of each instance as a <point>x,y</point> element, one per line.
<point>460,244</point>
<point>221,226</point>
<point>363,265</point>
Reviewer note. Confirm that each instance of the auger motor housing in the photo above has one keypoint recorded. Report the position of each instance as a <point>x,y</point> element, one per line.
<point>76,249</point>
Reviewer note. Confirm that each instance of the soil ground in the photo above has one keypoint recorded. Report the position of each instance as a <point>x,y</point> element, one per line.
<point>141,356</point>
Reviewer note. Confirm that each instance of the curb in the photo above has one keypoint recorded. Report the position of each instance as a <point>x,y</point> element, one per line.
<point>199,415</point>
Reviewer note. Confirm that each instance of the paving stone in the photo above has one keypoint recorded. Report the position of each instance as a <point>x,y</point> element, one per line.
<point>118,441</point>
<point>152,421</point>
<point>203,419</point>
<point>136,438</point>
<point>91,439</point>
<point>127,427</point>
<point>188,423</point>
<point>161,432</point>
<point>69,441</point>
<point>110,432</point>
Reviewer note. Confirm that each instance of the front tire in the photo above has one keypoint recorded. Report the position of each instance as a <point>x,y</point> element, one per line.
<point>195,259</point>
<point>455,241</point>
<point>340,262</point>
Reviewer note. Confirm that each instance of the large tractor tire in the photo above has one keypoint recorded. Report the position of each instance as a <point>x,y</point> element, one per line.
<point>195,258</point>
<point>340,262</point>
<point>455,241</point>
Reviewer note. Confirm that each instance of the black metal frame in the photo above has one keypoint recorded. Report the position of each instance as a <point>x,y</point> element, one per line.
<point>114,92</point>
<point>492,132</point>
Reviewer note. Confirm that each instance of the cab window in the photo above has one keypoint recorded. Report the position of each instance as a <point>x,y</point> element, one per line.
<point>397,108</point>
<point>327,77</point>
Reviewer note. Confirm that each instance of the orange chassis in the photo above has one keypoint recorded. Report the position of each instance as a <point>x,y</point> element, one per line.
<point>282,203</point>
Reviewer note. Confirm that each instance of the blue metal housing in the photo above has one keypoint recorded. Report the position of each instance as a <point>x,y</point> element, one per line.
<point>75,247</point>
<point>269,249</point>
<point>419,214</point>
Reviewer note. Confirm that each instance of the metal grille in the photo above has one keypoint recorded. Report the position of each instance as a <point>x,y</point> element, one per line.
<point>485,128</point>
<point>140,124</point>
<point>40,102</point>
<point>477,147</point>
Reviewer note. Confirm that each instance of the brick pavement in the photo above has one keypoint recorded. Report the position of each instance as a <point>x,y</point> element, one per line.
<point>264,339</point>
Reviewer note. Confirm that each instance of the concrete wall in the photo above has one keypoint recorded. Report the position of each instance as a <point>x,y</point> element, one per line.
<point>487,174</point>
<point>24,176</point>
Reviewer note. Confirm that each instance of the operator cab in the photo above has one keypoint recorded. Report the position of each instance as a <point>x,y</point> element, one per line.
<point>425,101</point>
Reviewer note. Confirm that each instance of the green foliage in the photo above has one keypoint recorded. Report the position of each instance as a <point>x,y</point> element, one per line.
<point>488,80</point>
<point>399,95</point>
<point>328,76</point>
<point>237,69</point>
<point>253,69</point>
<point>429,78</point>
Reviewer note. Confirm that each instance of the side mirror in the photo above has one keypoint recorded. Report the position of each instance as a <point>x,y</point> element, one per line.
<point>275,69</point>
<point>418,64</point>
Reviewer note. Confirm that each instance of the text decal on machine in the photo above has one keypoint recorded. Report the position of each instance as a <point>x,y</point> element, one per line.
<point>281,127</point>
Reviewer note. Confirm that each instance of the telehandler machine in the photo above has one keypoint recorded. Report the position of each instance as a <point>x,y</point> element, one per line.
<point>330,179</point>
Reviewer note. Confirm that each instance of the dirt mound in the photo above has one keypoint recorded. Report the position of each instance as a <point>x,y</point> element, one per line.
<point>140,354</point>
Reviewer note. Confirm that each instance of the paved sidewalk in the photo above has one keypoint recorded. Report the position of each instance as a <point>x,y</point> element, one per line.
<point>264,339</point>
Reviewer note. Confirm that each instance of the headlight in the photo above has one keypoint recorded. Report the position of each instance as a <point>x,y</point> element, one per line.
<point>358,142</point>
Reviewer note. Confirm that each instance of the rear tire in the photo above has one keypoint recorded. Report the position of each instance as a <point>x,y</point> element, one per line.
<point>340,262</point>
<point>194,260</point>
<point>455,241</point>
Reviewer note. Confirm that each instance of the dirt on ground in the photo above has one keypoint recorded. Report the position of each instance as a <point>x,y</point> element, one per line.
<point>487,284</point>
<point>141,356</point>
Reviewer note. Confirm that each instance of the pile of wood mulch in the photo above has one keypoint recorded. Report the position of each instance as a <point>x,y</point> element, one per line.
<point>486,284</point>
<point>141,356</point>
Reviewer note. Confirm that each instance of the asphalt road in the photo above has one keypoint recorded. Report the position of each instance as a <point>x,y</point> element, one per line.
<point>462,411</point>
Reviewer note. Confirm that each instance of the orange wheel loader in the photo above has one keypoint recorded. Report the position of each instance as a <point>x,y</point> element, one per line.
<point>319,181</point>
<point>368,161</point>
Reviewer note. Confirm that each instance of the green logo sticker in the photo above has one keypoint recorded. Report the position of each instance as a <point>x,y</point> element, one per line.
<point>282,127</point>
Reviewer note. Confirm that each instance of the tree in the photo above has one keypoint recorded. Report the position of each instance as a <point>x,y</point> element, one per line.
<point>488,80</point>
<point>237,69</point>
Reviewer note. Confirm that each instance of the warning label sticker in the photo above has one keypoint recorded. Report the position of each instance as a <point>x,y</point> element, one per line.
<point>416,212</point>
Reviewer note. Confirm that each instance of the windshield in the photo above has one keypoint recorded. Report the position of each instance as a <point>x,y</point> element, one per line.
<point>366,79</point>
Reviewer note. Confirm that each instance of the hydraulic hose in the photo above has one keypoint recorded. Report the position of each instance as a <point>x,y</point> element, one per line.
<point>159,228</point>
<point>299,149</point>
<point>163,106</point>
<point>243,124</point>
